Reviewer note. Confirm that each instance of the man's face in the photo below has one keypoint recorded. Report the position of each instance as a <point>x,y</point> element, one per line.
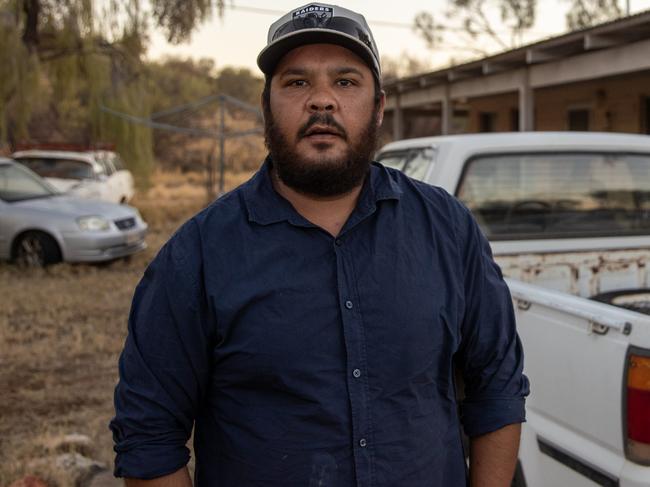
<point>322,120</point>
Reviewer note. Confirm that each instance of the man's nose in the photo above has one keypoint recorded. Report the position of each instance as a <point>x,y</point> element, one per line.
<point>321,100</point>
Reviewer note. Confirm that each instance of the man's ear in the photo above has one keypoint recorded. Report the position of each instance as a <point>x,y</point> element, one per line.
<point>382,105</point>
<point>265,103</point>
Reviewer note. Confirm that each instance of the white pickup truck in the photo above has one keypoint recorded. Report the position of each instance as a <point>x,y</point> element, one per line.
<point>568,219</point>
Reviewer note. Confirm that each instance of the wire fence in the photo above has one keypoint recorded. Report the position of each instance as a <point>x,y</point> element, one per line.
<point>225,103</point>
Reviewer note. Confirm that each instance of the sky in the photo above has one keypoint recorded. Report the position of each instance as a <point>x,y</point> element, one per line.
<point>237,38</point>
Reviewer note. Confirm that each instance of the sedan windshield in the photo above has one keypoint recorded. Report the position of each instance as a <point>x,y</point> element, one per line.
<point>18,183</point>
<point>58,168</point>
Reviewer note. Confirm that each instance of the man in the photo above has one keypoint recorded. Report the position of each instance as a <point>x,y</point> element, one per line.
<point>308,324</point>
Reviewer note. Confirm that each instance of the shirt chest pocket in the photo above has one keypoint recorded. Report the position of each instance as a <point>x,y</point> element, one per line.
<point>290,329</point>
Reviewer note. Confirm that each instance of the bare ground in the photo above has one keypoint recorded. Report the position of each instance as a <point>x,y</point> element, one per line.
<point>61,332</point>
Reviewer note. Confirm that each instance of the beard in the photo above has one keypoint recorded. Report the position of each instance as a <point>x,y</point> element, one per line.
<point>322,175</point>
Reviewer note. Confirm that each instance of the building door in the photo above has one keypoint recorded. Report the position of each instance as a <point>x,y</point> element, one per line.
<point>514,120</point>
<point>646,114</point>
<point>487,121</point>
<point>578,119</point>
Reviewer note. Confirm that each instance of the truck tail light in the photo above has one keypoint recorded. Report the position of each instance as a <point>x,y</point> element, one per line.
<point>638,407</point>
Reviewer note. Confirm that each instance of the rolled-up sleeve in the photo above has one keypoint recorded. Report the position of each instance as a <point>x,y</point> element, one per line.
<point>490,355</point>
<point>165,365</point>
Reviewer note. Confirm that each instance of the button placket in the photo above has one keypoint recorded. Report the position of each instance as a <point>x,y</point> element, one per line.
<point>355,348</point>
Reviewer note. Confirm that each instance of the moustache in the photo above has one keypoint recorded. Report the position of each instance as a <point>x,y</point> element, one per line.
<point>325,119</point>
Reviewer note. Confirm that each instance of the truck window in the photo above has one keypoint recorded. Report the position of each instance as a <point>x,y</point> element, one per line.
<point>105,162</point>
<point>117,162</point>
<point>413,162</point>
<point>58,168</point>
<point>573,195</point>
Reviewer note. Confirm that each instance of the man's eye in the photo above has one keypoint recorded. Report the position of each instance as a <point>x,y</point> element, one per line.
<point>297,82</point>
<point>345,82</point>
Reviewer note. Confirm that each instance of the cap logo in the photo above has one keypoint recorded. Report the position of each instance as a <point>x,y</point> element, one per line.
<point>313,15</point>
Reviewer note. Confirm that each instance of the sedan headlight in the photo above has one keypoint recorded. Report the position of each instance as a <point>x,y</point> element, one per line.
<point>93,223</point>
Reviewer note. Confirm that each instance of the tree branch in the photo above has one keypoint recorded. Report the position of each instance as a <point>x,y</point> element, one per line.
<point>32,9</point>
<point>485,25</point>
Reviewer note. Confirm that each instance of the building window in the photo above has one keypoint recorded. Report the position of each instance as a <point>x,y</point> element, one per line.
<point>578,119</point>
<point>487,122</point>
<point>646,114</point>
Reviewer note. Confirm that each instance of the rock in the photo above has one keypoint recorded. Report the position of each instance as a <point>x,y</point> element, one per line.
<point>29,481</point>
<point>78,466</point>
<point>76,439</point>
<point>74,442</point>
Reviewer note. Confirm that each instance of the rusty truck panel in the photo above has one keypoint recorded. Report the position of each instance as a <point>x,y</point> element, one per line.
<point>583,274</point>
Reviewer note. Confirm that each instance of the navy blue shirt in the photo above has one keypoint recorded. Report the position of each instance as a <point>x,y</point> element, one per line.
<point>307,360</point>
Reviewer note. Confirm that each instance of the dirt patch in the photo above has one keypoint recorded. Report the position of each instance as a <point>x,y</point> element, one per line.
<point>61,332</point>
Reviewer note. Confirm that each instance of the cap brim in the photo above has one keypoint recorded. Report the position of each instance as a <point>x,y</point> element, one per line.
<point>271,54</point>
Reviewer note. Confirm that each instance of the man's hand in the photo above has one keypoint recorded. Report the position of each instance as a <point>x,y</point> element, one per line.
<point>180,478</point>
<point>493,457</point>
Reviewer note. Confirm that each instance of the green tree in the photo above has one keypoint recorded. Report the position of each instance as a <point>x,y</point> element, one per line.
<point>585,13</point>
<point>179,18</point>
<point>19,79</point>
<point>473,20</point>
<point>240,83</point>
<point>176,18</point>
<point>67,58</point>
<point>176,82</point>
<point>404,65</point>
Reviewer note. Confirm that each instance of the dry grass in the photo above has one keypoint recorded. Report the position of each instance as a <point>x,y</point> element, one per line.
<point>61,332</point>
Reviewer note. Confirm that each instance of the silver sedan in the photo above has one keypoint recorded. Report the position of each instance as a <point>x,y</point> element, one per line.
<point>40,226</point>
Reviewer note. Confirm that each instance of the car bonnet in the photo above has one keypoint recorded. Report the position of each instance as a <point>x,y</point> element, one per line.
<point>77,207</point>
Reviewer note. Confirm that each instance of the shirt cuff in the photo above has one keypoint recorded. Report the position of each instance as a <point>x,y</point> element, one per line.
<point>487,415</point>
<point>150,462</point>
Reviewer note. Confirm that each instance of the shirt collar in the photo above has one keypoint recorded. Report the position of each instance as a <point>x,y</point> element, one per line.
<point>265,206</point>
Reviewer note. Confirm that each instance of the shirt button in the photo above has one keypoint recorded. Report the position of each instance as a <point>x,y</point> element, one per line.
<point>356,373</point>
<point>348,304</point>
<point>338,242</point>
<point>363,443</point>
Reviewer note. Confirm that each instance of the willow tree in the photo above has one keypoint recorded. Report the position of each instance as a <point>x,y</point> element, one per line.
<point>71,57</point>
<point>176,18</point>
<point>19,80</point>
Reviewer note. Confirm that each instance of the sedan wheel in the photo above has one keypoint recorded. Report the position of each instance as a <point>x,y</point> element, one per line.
<point>35,249</point>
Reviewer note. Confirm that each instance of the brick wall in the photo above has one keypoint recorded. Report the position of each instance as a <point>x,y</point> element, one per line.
<point>502,106</point>
<point>616,104</point>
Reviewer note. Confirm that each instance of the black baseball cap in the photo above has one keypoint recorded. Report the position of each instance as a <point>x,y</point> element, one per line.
<point>317,23</point>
